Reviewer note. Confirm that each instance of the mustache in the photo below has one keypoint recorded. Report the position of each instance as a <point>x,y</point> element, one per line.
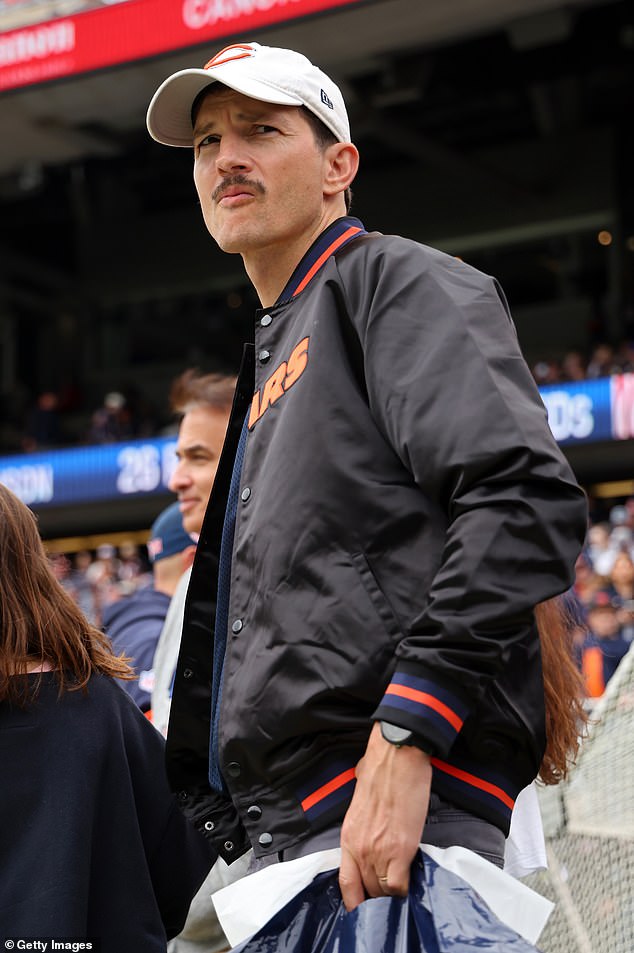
<point>238,179</point>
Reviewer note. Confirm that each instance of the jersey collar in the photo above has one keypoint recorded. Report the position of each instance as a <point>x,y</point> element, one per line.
<point>333,238</point>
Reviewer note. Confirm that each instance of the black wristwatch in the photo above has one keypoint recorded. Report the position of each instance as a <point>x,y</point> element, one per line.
<point>396,735</point>
<point>399,737</point>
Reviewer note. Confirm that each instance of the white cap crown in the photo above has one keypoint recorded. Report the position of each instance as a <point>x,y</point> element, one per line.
<point>269,74</point>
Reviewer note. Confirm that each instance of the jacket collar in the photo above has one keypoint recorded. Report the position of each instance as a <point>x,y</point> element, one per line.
<point>331,240</point>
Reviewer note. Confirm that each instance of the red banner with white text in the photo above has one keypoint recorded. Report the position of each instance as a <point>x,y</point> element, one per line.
<point>134,29</point>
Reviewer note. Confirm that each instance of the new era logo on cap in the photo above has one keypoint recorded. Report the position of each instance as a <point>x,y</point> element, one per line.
<point>326,100</point>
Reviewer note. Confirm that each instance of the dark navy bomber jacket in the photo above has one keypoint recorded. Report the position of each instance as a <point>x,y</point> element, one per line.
<point>403,507</point>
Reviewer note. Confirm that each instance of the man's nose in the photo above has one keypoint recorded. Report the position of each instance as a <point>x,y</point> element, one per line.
<point>179,478</point>
<point>232,154</point>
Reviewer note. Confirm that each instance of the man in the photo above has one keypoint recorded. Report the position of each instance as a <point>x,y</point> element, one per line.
<point>392,510</point>
<point>605,644</point>
<point>134,623</point>
<point>203,402</point>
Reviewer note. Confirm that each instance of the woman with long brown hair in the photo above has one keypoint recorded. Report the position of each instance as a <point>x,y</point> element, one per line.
<point>565,723</point>
<point>564,689</point>
<point>92,843</point>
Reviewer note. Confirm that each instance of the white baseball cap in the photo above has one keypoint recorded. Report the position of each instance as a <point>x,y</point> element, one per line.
<point>267,73</point>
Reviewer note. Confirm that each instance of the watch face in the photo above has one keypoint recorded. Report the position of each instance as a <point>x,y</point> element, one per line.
<point>395,734</point>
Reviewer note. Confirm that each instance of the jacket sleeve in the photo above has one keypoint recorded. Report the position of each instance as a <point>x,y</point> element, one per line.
<point>451,393</point>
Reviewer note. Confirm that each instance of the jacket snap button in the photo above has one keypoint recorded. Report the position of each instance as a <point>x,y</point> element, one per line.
<point>265,320</point>
<point>254,812</point>
<point>264,356</point>
<point>233,769</point>
<point>236,625</point>
<point>265,840</point>
<point>187,673</point>
<point>210,826</point>
<point>246,493</point>
<point>228,845</point>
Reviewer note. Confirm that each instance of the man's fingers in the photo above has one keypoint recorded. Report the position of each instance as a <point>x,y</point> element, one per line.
<point>395,882</point>
<point>350,882</point>
<point>358,882</point>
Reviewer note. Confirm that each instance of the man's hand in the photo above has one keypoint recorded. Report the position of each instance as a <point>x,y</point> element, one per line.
<point>384,823</point>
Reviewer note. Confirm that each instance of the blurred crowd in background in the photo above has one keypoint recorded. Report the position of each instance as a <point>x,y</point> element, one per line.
<point>602,598</point>
<point>97,579</point>
<point>604,360</point>
<point>65,418</point>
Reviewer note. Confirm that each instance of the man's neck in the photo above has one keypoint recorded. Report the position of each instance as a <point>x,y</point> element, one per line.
<point>270,268</point>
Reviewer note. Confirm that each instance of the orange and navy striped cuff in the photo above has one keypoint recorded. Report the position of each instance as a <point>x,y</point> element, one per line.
<point>328,790</point>
<point>443,712</point>
<point>477,788</point>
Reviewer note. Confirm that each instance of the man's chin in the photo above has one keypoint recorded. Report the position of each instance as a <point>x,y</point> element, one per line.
<point>191,525</point>
<point>230,246</point>
<point>232,241</point>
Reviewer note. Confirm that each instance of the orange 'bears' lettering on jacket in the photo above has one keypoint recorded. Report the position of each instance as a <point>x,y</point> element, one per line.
<point>282,378</point>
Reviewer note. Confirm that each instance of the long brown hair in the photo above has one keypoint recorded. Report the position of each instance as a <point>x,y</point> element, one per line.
<point>39,621</point>
<point>564,690</point>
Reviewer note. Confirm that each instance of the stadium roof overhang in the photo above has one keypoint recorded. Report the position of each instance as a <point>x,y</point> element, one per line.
<point>389,43</point>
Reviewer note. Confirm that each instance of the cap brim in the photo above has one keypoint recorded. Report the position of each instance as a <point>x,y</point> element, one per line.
<point>169,113</point>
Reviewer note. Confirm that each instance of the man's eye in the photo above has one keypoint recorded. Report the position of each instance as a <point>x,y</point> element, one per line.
<point>263,129</point>
<point>209,140</point>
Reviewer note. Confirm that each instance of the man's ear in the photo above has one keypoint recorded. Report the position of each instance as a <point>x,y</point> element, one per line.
<point>342,163</point>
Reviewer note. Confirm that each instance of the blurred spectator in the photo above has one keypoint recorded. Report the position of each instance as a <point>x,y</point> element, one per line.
<point>608,539</point>
<point>604,646</point>
<point>112,421</point>
<point>103,575</point>
<point>573,367</point>
<point>134,623</point>
<point>625,357</point>
<point>546,372</point>
<point>81,588</point>
<point>587,581</point>
<point>61,567</point>
<point>600,549</point>
<point>602,362</point>
<point>621,577</point>
<point>132,571</point>
<point>621,587</point>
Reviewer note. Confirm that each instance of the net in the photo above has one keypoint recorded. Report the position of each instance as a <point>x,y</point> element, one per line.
<point>589,828</point>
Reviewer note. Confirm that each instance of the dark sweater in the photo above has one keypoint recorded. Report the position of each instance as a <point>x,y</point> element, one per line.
<point>92,843</point>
